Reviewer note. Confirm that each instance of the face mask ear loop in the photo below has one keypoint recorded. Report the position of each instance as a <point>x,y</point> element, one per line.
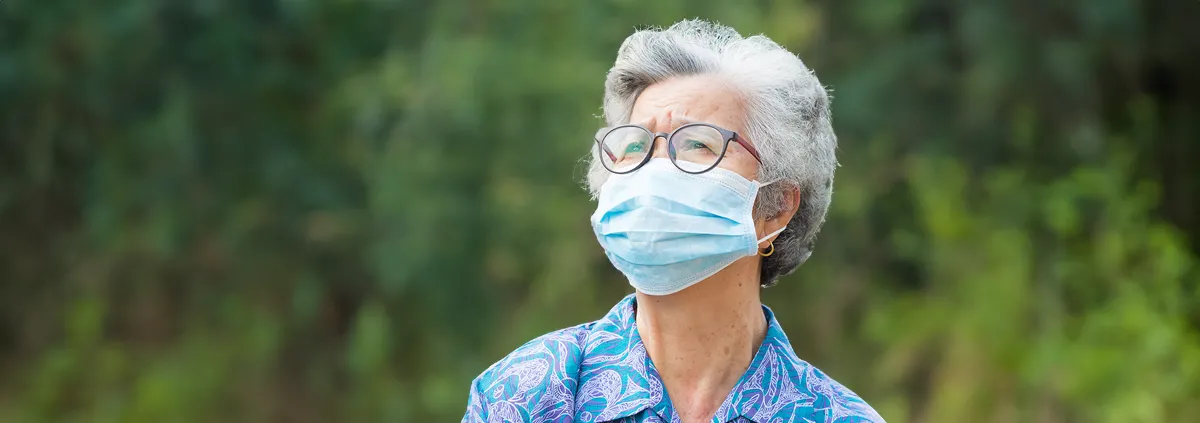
<point>760,241</point>
<point>763,184</point>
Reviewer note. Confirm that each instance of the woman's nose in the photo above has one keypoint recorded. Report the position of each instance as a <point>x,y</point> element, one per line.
<point>660,146</point>
<point>661,122</point>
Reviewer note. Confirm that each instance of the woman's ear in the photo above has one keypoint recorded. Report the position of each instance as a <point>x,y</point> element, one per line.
<point>791,205</point>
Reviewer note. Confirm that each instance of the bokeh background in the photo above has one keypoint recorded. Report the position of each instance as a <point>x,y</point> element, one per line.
<point>343,211</point>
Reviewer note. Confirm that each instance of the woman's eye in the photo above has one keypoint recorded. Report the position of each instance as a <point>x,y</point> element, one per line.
<point>635,147</point>
<point>695,145</point>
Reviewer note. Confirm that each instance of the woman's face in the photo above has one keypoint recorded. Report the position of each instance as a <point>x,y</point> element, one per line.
<point>667,105</point>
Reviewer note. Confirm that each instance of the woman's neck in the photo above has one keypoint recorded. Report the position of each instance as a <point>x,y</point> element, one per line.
<point>703,338</point>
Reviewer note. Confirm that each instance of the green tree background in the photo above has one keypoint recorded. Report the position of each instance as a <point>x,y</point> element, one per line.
<point>316,211</point>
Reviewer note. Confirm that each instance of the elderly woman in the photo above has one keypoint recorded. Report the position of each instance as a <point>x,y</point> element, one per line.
<point>712,180</point>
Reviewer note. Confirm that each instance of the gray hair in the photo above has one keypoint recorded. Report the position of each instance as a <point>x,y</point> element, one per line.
<point>788,118</point>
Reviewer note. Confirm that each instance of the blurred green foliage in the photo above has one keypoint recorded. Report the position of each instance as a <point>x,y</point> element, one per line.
<point>312,211</point>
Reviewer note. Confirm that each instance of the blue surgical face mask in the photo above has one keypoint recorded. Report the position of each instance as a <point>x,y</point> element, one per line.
<point>666,229</point>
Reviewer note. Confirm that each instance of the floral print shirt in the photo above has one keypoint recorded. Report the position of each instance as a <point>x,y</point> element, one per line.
<point>600,372</point>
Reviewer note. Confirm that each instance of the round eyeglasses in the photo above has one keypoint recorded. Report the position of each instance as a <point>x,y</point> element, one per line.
<point>693,148</point>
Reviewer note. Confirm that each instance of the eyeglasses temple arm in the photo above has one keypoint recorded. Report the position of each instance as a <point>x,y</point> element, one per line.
<point>608,152</point>
<point>753,152</point>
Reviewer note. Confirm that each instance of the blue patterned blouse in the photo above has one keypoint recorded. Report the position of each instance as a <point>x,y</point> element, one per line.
<point>600,372</point>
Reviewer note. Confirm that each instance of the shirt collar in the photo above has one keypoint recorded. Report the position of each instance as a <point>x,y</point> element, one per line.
<point>768,383</point>
<point>614,378</point>
<point>617,378</point>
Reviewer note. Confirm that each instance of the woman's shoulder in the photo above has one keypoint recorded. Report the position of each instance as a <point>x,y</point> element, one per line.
<point>835,401</point>
<point>549,353</point>
<point>534,379</point>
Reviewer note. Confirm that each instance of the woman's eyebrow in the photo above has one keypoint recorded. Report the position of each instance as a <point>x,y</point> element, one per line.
<point>645,123</point>
<point>677,121</point>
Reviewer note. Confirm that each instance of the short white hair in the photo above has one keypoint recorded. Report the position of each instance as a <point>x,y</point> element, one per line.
<point>787,118</point>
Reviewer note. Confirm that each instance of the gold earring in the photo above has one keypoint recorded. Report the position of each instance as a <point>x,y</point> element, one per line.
<point>768,253</point>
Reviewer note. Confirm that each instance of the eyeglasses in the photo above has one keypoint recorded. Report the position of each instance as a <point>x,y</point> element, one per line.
<point>693,148</point>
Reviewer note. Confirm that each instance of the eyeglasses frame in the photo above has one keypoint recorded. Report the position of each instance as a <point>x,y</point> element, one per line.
<point>726,134</point>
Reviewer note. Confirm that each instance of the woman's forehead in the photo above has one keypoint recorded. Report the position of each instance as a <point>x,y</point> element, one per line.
<point>679,101</point>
